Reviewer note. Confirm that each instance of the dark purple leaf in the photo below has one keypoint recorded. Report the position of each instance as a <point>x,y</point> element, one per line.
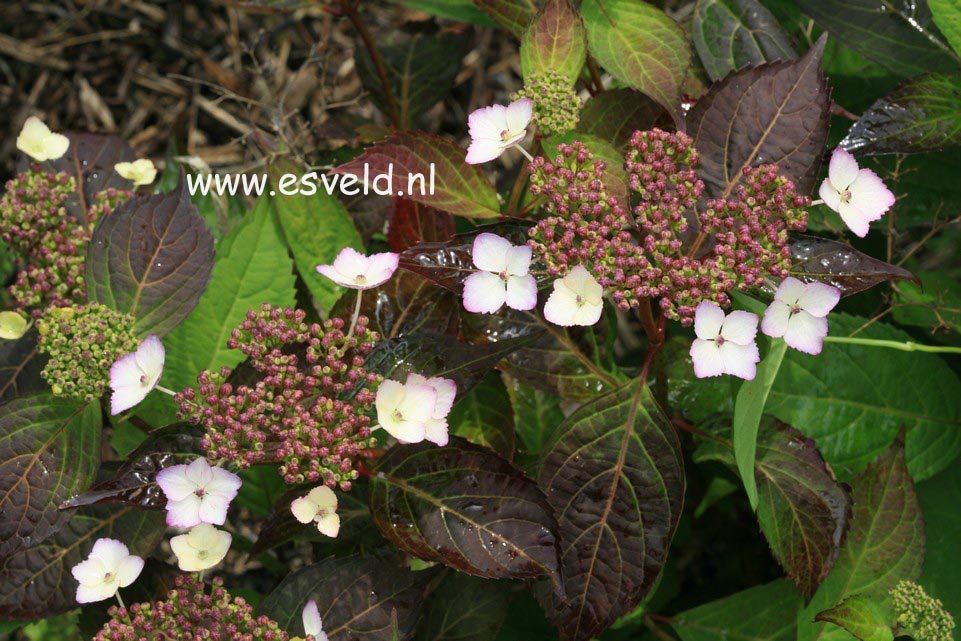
<point>20,366</point>
<point>465,507</point>
<point>835,263</point>
<point>464,608</point>
<point>90,159</point>
<point>614,475</point>
<point>411,223</point>
<point>49,450</point>
<point>617,113</point>
<point>357,598</point>
<point>772,113</point>
<point>135,481</point>
<point>151,258</point>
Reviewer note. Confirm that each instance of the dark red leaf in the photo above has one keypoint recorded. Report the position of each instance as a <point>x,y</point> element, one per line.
<point>20,366</point>
<point>835,263</point>
<point>411,223</point>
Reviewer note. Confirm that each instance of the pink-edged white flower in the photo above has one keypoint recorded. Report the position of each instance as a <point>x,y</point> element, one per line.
<point>109,567</point>
<point>799,314</point>
<point>416,410</point>
<point>140,172</point>
<point>37,141</point>
<point>133,376</point>
<point>858,195</point>
<point>313,626</point>
<point>503,278</point>
<point>356,271</point>
<point>495,128</point>
<point>203,547</point>
<point>320,507</point>
<point>724,344</point>
<point>197,493</point>
<point>577,299</point>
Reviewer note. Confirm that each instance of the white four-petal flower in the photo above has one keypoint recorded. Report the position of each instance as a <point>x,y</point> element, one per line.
<point>799,314</point>
<point>320,507</point>
<point>37,141</point>
<point>724,344</point>
<point>356,271</point>
<point>140,172</point>
<point>416,410</point>
<point>858,195</point>
<point>109,567</point>
<point>203,547</point>
<point>197,493</point>
<point>495,128</point>
<point>577,299</point>
<point>503,278</point>
<point>133,376</point>
<point>313,626</point>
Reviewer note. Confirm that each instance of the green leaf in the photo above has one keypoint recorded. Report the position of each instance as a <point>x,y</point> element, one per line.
<point>355,596</point>
<point>460,10</point>
<point>513,15</point>
<point>34,583</point>
<point>464,506</point>
<point>420,68</point>
<point>748,409</point>
<point>252,268</point>
<point>536,415</point>
<point>614,115</point>
<point>939,500</point>
<point>640,46</point>
<point>555,41</point>
<point>853,399</point>
<point>311,242</point>
<point>49,450</point>
<point>614,476</point>
<point>935,305</point>
<point>729,34</point>
<point>484,416</point>
<point>464,608</point>
<point>863,616</point>
<point>458,188</point>
<point>899,36</point>
<point>884,545</point>
<point>152,259</point>
<point>947,16</point>
<point>776,112</point>
<point>920,115</point>
<point>761,613</point>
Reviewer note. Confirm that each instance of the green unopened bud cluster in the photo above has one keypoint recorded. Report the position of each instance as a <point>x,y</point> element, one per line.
<point>556,105</point>
<point>920,615</point>
<point>82,343</point>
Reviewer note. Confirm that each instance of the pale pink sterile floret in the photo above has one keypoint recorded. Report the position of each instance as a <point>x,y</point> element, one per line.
<point>799,314</point>
<point>503,277</point>
<point>107,568</point>
<point>496,128</point>
<point>577,299</point>
<point>133,376</point>
<point>356,271</point>
<point>858,195</point>
<point>724,344</point>
<point>197,493</point>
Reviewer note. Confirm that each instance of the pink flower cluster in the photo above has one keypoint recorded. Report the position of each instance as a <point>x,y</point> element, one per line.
<point>293,412</point>
<point>191,612</point>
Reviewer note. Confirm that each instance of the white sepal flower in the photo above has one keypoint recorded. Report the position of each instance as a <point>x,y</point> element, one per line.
<point>320,507</point>
<point>496,128</point>
<point>203,547</point>
<point>577,299</point>
<point>109,567</point>
<point>503,277</point>
<point>356,271</point>
<point>37,141</point>
<point>858,195</point>
<point>133,376</point>
<point>197,493</point>
<point>799,314</point>
<point>140,172</point>
<point>724,344</point>
<point>435,430</point>
<point>416,410</point>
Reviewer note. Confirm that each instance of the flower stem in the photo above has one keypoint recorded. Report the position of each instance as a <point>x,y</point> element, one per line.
<point>120,600</point>
<point>906,346</point>
<point>526,153</point>
<point>165,390</point>
<point>817,202</point>
<point>353,319</point>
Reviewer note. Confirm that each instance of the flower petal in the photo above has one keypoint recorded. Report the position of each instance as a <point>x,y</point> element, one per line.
<point>110,552</point>
<point>419,402</point>
<point>150,357</point>
<point>819,298</point>
<point>708,320</point>
<point>213,509</point>
<point>706,358</point>
<point>870,196</point>
<point>588,314</point>
<point>94,593</point>
<point>806,333</point>
<point>583,284</point>
<point>790,291</point>
<point>351,262</point>
<point>323,498</point>
<point>490,252</point>
<point>184,513</point>
<point>740,360</point>
<point>519,260</point>
<point>124,397</point>
<point>856,221</point>
<point>382,267</point>
<point>436,431</point>
<point>223,483</point>
<point>446,393</point>
<point>303,509</point>
<point>521,292</point>
<point>89,572</point>
<point>329,525</point>
<point>311,619</point>
<point>174,482</point>
<point>129,569</point>
<point>561,306</point>
<point>336,276</point>
<point>843,169</point>
<point>481,151</point>
<point>740,327</point>
<point>487,122</point>
<point>199,472</point>
<point>830,195</point>
<point>775,319</point>
<point>484,293</point>
<point>519,115</point>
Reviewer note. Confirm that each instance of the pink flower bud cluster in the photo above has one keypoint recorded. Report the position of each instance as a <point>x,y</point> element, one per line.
<point>32,205</point>
<point>677,247</point>
<point>307,406</point>
<point>191,612</point>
